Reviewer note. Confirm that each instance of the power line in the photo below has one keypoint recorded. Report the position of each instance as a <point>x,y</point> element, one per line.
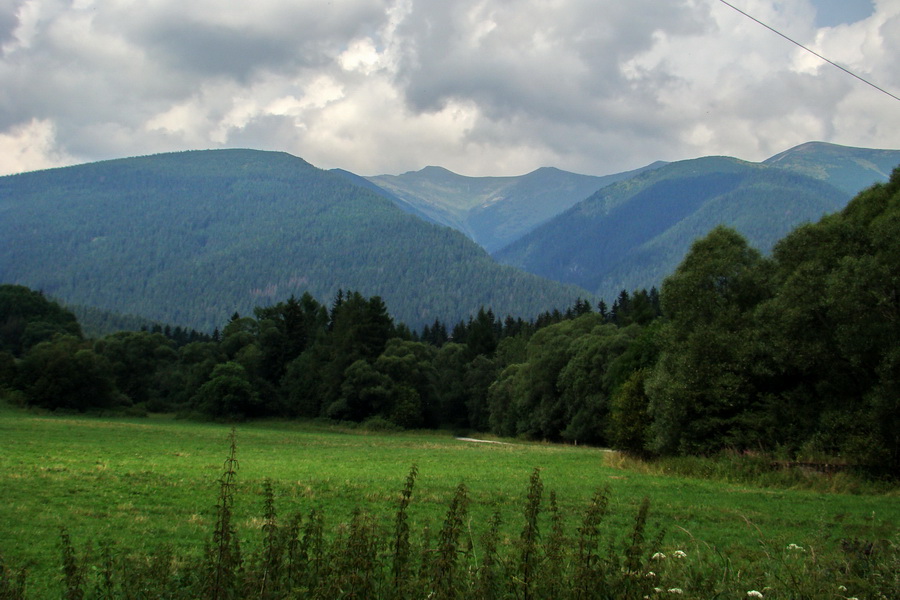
<point>813,52</point>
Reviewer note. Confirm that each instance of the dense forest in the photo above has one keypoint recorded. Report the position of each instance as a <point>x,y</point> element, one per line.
<point>634,233</point>
<point>191,237</point>
<point>796,353</point>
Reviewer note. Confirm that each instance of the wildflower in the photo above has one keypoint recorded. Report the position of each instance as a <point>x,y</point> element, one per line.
<point>679,554</point>
<point>658,556</point>
<point>650,575</point>
<point>754,594</point>
<point>842,588</point>
<point>657,590</point>
<point>675,591</point>
<point>796,548</point>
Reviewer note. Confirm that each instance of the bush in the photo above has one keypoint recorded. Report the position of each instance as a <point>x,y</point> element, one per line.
<point>379,424</point>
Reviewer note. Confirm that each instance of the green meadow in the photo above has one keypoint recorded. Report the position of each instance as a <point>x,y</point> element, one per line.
<point>146,484</point>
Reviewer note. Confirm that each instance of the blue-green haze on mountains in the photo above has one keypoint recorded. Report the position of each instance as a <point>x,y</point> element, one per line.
<point>493,211</point>
<point>188,238</point>
<point>633,233</point>
<point>848,169</point>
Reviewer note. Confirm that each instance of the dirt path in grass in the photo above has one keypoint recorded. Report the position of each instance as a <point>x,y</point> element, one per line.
<point>467,439</point>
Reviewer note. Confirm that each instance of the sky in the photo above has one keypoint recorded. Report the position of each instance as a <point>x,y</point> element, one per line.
<point>481,87</point>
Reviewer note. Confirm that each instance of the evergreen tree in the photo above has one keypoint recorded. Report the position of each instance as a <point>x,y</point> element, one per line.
<point>28,318</point>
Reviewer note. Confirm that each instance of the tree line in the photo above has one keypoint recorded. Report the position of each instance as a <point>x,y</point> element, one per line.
<point>797,352</point>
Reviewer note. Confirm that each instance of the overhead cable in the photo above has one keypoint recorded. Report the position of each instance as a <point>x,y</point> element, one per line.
<point>813,52</point>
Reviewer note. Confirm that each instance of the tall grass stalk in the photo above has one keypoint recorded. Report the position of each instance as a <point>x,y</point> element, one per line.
<point>73,570</point>
<point>371,557</point>
<point>488,578</point>
<point>224,554</point>
<point>12,582</point>
<point>400,541</point>
<point>528,560</point>
<point>588,576</point>
<point>445,580</point>
<point>554,568</point>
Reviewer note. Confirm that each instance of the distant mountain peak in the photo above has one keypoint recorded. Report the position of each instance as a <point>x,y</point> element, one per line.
<point>845,167</point>
<point>434,172</point>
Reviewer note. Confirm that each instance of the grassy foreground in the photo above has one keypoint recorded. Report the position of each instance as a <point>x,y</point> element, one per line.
<point>142,485</point>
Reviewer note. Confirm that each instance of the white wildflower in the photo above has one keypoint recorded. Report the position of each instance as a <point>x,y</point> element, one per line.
<point>657,590</point>
<point>796,548</point>
<point>658,556</point>
<point>754,594</point>
<point>675,591</point>
<point>842,588</point>
<point>679,554</point>
<point>650,575</point>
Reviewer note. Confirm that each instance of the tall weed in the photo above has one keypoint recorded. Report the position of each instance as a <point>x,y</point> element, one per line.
<point>369,557</point>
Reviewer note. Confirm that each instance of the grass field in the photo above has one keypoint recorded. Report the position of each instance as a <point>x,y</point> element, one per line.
<point>147,483</point>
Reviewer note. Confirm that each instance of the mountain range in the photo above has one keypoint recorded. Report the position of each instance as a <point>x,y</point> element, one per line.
<point>493,211</point>
<point>188,238</point>
<point>635,228</point>
<point>632,234</point>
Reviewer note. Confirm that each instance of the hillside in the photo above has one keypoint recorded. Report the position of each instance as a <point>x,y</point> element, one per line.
<point>846,168</point>
<point>188,238</point>
<point>497,211</point>
<point>632,234</point>
<point>493,211</point>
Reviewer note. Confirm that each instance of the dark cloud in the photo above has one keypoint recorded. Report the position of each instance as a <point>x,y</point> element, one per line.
<point>9,20</point>
<point>212,50</point>
<point>480,86</point>
<point>530,57</point>
<point>235,40</point>
<point>267,132</point>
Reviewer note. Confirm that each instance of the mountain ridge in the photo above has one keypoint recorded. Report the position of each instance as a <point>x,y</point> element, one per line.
<point>595,244</point>
<point>493,211</point>
<point>188,238</point>
<point>233,229</point>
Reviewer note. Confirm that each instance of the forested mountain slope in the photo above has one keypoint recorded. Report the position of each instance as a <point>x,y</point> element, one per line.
<point>188,238</point>
<point>493,211</point>
<point>497,211</point>
<point>633,233</point>
<point>849,169</point>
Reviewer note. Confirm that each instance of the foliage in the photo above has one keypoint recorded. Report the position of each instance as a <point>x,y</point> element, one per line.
<point>66,374</point>
<point>562,388</point>
<point>794,357</point>
<point>228,393</point>
<point>702,387</point>
<point>798,352</point>
<point>27,318</point>
<point>191,237</point>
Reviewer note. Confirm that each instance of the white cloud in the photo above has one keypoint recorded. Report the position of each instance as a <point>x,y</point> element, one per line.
<point>479,86</point>
<point>30,147</point>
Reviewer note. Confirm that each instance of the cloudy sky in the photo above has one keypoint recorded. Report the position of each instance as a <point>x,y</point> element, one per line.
<point>482,87</point>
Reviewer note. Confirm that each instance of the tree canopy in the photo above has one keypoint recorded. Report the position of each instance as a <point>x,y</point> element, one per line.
<point>797,352</point>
